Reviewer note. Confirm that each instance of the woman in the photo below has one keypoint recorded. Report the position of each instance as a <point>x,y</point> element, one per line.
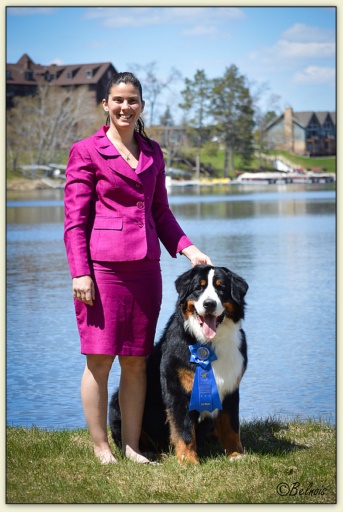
<point>116,210</point>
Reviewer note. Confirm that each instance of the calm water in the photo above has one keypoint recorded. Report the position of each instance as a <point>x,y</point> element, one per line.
<point>281,239</point>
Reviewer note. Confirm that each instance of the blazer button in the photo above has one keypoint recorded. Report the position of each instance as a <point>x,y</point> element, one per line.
<point>140,205</point>
<point>140,224</point>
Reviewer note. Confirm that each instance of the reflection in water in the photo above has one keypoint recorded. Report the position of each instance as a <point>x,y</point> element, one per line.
<point>34,215</point>
<point>228,203</point>
<point>283,244</point>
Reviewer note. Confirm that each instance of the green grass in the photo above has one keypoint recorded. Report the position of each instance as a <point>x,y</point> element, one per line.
<point>59,467</point>
<point>217,161</point>
<point>328,163</point>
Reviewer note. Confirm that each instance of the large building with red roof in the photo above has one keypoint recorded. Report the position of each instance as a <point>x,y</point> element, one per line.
<point>25,77</point>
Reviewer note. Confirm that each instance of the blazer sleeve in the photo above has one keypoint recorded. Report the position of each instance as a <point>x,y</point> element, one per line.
<point>78,194</point>
<point>168,229</point>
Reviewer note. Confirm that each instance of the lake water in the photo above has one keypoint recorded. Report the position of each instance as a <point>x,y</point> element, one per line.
<point>280,238</point>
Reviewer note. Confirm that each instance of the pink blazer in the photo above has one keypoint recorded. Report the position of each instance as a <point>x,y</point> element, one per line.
<point>113,213</point>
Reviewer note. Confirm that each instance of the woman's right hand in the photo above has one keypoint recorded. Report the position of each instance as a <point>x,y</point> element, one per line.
<point>83,289</point>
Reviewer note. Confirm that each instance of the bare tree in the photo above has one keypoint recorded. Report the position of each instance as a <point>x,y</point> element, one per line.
<point>152,85</point>
<point>171,136</point>
<point>39,127</point>
<point>266,108</point>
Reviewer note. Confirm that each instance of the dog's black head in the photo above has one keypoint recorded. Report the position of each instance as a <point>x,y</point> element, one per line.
<point>208,295</point>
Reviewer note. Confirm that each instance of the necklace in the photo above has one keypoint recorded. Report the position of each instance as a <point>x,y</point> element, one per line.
<point>127,156</point>
<point>121,151</point>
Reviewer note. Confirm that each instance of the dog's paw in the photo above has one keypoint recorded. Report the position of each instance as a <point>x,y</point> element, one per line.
<point>235,456</point>
<point>187,457</point>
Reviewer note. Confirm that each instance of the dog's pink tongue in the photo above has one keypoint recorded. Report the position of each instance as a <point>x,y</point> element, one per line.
<point>209,327</point>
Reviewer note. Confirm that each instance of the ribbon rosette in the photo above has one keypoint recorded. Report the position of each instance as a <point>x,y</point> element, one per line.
<point>205,396</point>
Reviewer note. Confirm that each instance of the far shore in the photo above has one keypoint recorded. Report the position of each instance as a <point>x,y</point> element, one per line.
<point>27,184</point>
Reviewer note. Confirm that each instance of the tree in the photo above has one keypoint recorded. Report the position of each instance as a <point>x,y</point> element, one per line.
<point>264,114</point>
<point>40,127</point>
<point>152,85</point>
<point>233,112</point>
<point>172,136</point>
<point>196,96</point>
<point>167,119</point>
<point>262,120</point>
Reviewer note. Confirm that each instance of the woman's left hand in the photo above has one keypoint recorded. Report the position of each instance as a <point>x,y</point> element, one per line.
<point>195,256</point>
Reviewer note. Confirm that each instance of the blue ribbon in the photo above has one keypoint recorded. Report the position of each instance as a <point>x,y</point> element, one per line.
<point>205,396</point>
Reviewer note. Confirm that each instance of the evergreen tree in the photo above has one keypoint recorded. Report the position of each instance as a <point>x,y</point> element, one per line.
<point>233,112</point>
<point>196,96</point>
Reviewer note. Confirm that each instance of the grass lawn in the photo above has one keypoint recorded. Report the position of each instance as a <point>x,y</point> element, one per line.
<point>285,462</point>
<point>328,163</point>
<point>217,161</point>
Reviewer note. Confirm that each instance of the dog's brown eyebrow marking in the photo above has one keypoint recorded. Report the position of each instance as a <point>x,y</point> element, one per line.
<point>203,282</point>
<point>218,282</point>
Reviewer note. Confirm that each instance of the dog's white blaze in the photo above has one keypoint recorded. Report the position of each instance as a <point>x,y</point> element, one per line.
<point>209,293</point>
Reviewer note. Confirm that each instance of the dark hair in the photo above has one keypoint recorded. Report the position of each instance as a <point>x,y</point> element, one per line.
<point>127,78</point>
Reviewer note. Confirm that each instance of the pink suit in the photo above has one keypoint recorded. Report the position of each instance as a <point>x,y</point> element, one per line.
<point>115,216</point>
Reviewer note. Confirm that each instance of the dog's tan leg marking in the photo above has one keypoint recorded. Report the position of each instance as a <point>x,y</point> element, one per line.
<point>229,439</point>
<point>186,378</point>
<point>184,452</point>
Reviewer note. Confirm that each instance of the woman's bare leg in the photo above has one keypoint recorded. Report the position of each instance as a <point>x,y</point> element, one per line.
<point>94,395</point>
<point>132,392</point>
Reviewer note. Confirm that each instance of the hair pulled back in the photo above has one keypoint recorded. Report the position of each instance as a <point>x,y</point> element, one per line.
<point>127,78</point>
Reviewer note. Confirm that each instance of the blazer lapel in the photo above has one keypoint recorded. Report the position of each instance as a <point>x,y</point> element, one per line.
<point>145,157</point>
<point>107,149</point>
<point>145,161</point>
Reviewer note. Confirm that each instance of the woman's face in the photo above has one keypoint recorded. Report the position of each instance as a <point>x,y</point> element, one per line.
<point>124,106</point>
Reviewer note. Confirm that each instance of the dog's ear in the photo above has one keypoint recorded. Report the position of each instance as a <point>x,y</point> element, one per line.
<point>183,282</point>
<point>239,286</point>
<point>226,270</point>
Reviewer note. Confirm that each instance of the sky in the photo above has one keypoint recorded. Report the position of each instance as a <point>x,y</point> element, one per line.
<point>289,51</point>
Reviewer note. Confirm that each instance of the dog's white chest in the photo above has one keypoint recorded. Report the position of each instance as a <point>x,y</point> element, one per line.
<point>228,367</point>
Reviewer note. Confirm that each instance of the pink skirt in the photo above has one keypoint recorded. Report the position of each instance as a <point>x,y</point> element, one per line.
<point>123,318</point>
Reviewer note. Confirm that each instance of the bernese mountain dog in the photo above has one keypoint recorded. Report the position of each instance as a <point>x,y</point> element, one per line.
<point>208,315</point>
